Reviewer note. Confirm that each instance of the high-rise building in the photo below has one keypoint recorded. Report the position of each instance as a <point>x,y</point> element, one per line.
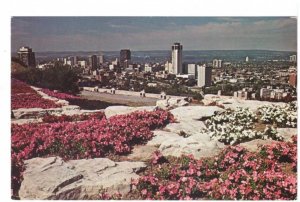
<point>247,59</point>
<point>204,75</point>
<point>293,58</point>
<point>27,56</point>
<point>177,58</point>
<point>169,67</point>
<point>100,58</point>
<point>192,69</point>
<point>217,63</point>
<point>125,57</point>
<point>93,62</point>
<point>72,60</point>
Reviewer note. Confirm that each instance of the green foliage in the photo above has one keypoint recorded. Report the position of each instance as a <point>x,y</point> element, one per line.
<point>59,77</point>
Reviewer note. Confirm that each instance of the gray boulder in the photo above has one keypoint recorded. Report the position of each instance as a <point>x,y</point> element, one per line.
<point>198,145</point>
<point>194,112</point>
<point>287,133</point>
<point>121,110</point>
<point>53,178</point>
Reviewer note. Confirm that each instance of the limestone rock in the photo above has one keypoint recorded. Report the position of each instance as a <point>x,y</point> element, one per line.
<point>189,127</point>
<point>26,121</point>
<point>24,113</point>
<point>53,178</point>
<point>195,112</point>
<point>287,133</point>
<point>161,136</point>
<point>121,110</point>
<point>196,145</point>
<point>142,153</point>
<point>172,102</point>
<point>70,108</point>
<point>253,145</point>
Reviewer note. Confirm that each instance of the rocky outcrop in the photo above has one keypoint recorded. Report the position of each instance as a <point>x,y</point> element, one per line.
<point>198,145</point>
<point>229,102</point>
<point>172,103</point>
<point>121,110</point>
<point>188,127</point>
<point>254,145</point>
<point>287,133</point>
<point>32,113</point>
<point>195,112</point>
<point>53,178</point>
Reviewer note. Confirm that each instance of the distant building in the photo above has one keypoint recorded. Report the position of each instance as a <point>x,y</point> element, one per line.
<point>247,59</point>
<point>217,63</point>
<point>204,75</point>
<point>125,57</point>
<point>93,63</point>
<point>82,63</point>
<point>177,58</point>
<point>169,67</point>
<point>148,68</point>
<point>100,59</point>
<point>191,69</point>
<point>27,56</point>
<point>293,58</point>
<point>72,60</point>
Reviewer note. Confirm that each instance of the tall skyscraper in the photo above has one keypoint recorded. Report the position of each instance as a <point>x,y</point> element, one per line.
<point>125,57</point>
<point>93,62</point>
<point>177,58</point>
<point>27,56</point>
<point>204,75</point>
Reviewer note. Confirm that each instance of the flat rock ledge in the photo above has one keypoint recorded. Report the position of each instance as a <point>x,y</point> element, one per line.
<point>53,178</point>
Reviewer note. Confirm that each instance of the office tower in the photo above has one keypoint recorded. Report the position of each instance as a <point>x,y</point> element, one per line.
<point>125,58</point>
<point>204,75</point>
<point>192,69</point>
<point>93,62</point>
<point>293,58</point>
<point>27,56</point>
<point>72,60</point>
<point>100,58</point>
<point>217,63</point>
<point>177,58</point>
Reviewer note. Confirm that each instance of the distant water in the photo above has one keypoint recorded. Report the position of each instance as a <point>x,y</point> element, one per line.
<point>189,56</point>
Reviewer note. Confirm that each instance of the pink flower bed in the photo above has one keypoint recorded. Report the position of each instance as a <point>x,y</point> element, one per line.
<point>63,96</point>
<point>23,96</point>
<point>235,174</point>
<point>18,87</point>
<point>87,139</point>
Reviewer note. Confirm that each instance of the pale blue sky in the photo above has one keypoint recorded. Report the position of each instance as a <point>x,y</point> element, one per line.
<point>153,33</point>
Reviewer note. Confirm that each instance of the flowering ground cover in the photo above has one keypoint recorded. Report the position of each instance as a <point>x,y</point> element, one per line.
<point>23,96</point>
<point>86,139</point>
<point>233,127</point>
<point>235,174</point>
<point>282,116</point>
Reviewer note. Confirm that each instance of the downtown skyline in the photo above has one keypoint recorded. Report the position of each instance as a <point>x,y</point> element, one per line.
<point>154,33</point>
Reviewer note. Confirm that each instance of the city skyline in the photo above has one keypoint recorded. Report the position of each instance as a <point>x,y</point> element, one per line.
<point>154,33</point>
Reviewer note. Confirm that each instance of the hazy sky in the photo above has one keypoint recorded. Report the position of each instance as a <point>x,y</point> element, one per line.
<point>153,33</point>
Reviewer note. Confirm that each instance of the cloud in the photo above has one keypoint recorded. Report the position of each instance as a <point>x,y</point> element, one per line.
<point>222,33</point>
